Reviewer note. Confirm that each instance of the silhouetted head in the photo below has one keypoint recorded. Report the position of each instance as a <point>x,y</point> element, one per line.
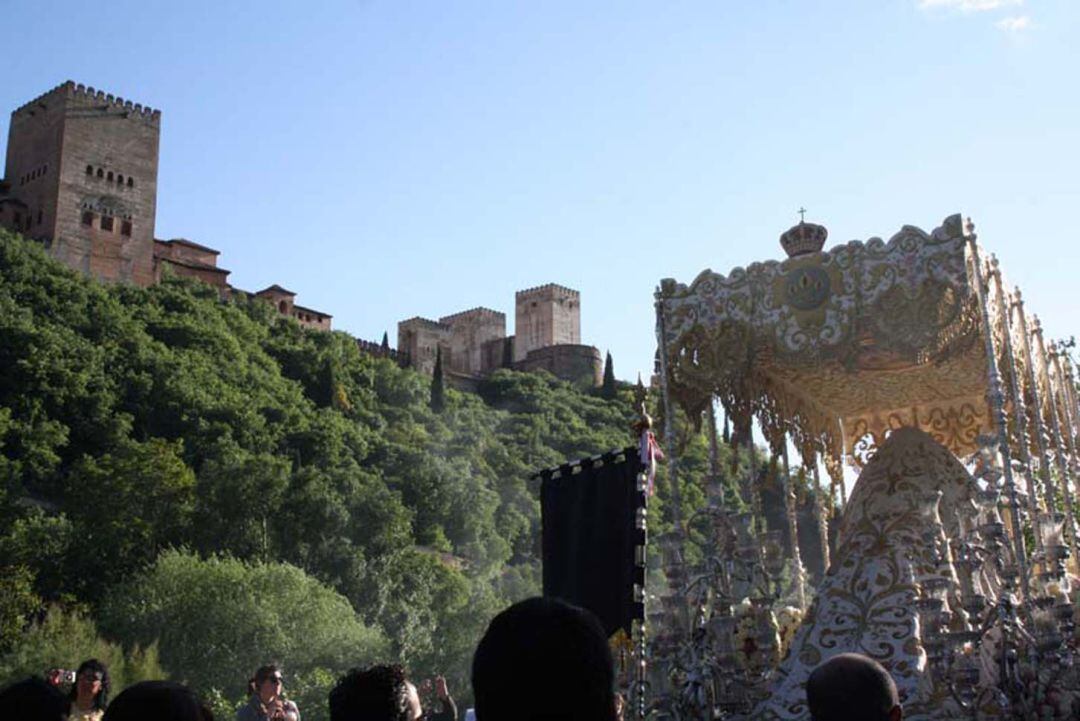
<point>852,687</point>
<point>159,700</point>
<point>544,659</point>
<point>33,700</point>
<point>378,693</point>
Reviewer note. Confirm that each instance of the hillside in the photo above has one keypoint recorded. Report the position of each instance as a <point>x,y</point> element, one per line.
<point>135,421</point>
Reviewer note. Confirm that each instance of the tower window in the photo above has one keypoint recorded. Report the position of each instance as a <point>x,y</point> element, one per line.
<point>87,218</point>
<point>120,179</point>
<point>89,169</point>
<point>283,307</point>
<point>109,176</point>
<point>131,183</point>
<point>100,173</point>
<point>125,227</point>
<point>106,223</point>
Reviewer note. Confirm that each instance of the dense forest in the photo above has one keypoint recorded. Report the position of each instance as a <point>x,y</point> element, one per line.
<point>190,488</point>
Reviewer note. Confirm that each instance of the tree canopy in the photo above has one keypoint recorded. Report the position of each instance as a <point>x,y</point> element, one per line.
<point>155,434</point>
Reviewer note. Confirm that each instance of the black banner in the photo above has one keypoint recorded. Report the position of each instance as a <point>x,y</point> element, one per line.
<point>589,536</point>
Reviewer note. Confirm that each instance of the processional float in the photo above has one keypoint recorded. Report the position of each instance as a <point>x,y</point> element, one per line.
<point>915,363</point>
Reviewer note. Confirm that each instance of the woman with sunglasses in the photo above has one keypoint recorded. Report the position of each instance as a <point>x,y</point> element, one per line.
<point>266,702</point>
<point>90,693</point>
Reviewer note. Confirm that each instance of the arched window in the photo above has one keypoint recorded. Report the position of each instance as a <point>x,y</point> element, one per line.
<point>87,218</point>
<point>89,169</point>
<point>120,179</point>
<point>100,173</point>
<point>283,307</point>
<point>109,176</point>
<point>131,183</point>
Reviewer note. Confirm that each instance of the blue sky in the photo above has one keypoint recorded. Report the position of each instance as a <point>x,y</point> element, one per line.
<point>391,159</point>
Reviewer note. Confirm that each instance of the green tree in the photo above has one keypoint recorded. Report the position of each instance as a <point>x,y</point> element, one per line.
<point>64,639</point>
<point>17,602</point>
<point>608,390</point>
<point>438,399</point>
<point>217,620</point>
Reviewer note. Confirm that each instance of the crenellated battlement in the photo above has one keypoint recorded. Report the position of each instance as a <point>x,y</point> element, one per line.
<point>426,322</point>
<point>88,94</point>
<point>545,289</point>
<point>479,312</point>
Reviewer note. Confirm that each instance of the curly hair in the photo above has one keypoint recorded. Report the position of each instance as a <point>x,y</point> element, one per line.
<point>377,693</point>
<point>101,700</point>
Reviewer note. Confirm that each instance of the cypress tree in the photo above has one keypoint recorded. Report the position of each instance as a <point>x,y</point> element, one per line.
<point>438,400</point>
<point>608,389</point>
<point>508,353</point>
<point>385,342</point>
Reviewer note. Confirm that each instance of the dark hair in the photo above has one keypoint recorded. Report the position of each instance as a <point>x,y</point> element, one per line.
<point>261,674</point>
<point>101,699</point>
<point>561,649</point>
<point>33,700</point>
<point>378,693</point>
<point>851,687</point>
<point>159,700</point>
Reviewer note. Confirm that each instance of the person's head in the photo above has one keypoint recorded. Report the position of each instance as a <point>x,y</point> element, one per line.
<point>33,700</point>
<point>378,693</point>
<point>267,682</point>
<point>159,700</point>
<point>558,650</point>
<point>92,682</point>
<point>852,687</point>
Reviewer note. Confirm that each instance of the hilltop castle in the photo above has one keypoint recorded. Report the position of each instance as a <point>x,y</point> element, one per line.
<point>474,343</point>
<point>81,178</point>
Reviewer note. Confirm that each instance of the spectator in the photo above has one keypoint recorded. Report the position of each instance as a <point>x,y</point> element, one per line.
<point>852,687</point>
<point>90,693</point>
<point>447,708</point>
<point>561,650</point>
<point>157,700</point>
<point>33,700</point>
<point>267,702</point>
<point>379,693</point>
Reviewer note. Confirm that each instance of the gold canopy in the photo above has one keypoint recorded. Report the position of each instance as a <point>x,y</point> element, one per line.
<point>838,347</point>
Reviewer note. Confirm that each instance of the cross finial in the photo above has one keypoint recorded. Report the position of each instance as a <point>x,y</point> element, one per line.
<point>802,214</point>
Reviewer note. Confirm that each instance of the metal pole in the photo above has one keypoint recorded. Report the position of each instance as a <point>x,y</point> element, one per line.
<point>1055,434</point>
<point>1070,389</point>
<point>669,423</point>
<point>997,407</point>
<point>1019,411</point>
<point>819,513</point>
<point>1066,411</point>
<point>1038,430</point>
<point>793,529</point>
<point>716,489</point>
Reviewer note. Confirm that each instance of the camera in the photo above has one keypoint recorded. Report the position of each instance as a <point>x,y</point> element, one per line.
<point>58,676</point>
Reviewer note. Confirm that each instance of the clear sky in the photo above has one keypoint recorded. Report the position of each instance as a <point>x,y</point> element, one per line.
<point>387,159</point>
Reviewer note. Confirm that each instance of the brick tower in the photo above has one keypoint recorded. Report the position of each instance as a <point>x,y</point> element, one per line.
<point>546,316</point>
<point>81,176</point>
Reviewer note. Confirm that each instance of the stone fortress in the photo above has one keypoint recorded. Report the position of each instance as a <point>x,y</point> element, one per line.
<point>473,343</point>
<point>81,178</point>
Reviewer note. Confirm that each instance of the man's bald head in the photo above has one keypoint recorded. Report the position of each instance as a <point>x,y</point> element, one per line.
<point>852,687</point>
